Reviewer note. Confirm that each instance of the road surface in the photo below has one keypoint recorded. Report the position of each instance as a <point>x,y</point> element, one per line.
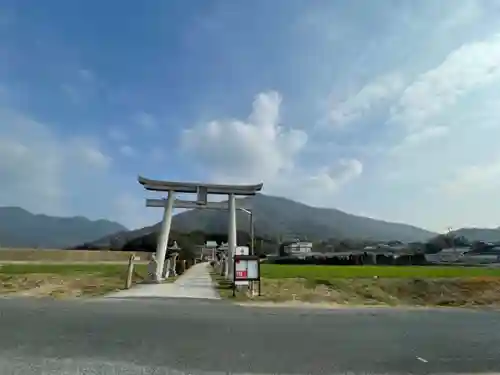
<point>177,336</point>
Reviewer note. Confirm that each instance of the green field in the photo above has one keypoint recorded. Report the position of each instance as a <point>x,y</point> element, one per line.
<point>276,271</point>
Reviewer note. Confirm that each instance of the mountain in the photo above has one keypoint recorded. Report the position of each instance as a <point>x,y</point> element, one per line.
<point>479,234</point>
<point>20,228</point>
<point>276,217</point>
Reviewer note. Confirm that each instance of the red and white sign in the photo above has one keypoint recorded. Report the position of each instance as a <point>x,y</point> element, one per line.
<point>242,274</point>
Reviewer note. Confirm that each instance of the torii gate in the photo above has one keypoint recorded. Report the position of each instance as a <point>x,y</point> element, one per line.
<point>202,190</point>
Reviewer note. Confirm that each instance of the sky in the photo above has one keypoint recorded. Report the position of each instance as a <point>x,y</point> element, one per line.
<point>387,109</point>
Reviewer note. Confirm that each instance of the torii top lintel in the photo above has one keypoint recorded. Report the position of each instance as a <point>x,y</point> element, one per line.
<point>193,187</point>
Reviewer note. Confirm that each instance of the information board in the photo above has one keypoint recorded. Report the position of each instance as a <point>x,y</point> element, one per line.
<point>246,270</point>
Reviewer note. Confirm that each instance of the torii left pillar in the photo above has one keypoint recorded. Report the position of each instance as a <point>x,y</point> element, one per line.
<point>162,243</point>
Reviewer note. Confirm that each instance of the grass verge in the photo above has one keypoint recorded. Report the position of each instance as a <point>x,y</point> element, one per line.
<point>221,284</point>
<point>65,280</point>
<point>393,286</point>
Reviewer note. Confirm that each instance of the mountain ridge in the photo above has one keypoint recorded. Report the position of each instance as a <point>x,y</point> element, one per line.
<point>479,234</point>
<point>19,228</point>
<point>276,218</point>
<point>278,215</point>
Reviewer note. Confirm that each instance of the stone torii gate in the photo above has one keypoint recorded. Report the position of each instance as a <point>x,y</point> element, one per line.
<point>202,190</point>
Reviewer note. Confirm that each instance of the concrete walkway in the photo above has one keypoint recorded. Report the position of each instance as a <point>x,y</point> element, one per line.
<point>195,283</point>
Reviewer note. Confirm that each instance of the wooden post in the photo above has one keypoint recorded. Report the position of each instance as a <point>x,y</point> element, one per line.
<point>130,271</point>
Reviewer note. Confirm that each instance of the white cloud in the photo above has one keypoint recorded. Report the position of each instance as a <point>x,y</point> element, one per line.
<point>117,135</point>
<point>128,151</point>
<point>146,120</point>
<point>474,178</point>
<point>260,149</point>
<point>34,163</point>
<point>419,138</point>
<point>315,187</point>
<point>87,151</point>
<point>442,163</point>
<point>466,69</point>
<point>369,97</point>
<point>251,151</point>
<point>157,154</point>
<point>131,210</point>
<point>30,164</point>
<point>426,134</point>
<point>448,106</point>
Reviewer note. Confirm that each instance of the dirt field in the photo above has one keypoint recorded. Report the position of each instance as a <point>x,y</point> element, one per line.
<point>65,280</point>
<point>66,256</point>
<point>396,286</point>
<point>322,273</point>
<point>390,291</point>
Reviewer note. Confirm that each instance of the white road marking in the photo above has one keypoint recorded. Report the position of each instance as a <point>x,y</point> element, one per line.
<point>422,359</point>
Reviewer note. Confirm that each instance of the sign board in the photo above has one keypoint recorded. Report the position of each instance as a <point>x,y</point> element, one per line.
<point>242,250</point>
<point>246,268</point>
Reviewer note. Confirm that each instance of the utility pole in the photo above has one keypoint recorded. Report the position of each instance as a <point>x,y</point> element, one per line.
<point>252,234</point>
<point>252,228</point>
<point>450,235</point>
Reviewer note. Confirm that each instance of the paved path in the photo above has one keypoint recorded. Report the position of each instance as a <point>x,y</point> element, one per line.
<point>207,337</point>
<point>195,283</point>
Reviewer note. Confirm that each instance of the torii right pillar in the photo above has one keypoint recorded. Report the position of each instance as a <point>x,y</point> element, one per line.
<point>231,236</point>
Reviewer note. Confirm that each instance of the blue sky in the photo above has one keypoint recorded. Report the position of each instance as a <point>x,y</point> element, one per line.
<point>387,109</point>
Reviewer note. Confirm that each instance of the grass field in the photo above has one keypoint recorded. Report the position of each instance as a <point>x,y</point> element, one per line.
<point>65,280</point>
<point>312,272</point>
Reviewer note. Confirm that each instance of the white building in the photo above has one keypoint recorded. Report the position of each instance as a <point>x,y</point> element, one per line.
<point>299,247</point>
<point>447,255</point>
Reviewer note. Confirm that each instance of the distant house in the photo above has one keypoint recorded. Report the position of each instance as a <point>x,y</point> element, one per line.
<point>295,248</point>
<point>447,255</point>
<point>395,248</point>
<point>486,255</point>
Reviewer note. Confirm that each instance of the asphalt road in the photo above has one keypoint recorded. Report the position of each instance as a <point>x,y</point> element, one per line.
<point>148,336</point>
